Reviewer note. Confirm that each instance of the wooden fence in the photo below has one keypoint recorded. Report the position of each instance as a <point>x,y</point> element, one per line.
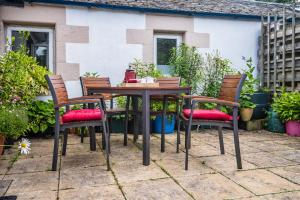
<point>280,51</point>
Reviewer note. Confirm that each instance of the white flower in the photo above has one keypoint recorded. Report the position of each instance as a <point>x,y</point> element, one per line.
<point>24,146</point>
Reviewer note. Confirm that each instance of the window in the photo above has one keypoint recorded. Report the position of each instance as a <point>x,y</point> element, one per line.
<point>39,43</point>
<point>163,44</point>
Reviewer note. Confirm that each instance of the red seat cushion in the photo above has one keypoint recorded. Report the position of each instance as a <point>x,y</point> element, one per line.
<point>81,115</point>
<point>208,114</point>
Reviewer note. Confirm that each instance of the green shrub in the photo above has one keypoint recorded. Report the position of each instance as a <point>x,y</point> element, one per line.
<point>186,63</point>
<point>13,122</point>
<point>287,105</point>
<point>144,70</point>
<point>248,87</point>
<point>21,78</point>
<point>214,69</point>
<point>41,116</point>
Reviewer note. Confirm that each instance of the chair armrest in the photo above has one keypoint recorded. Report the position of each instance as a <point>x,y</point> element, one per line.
<point>215,100</point>
<point>77,101</point>
<point>194,96</point>
<point>87,97</point>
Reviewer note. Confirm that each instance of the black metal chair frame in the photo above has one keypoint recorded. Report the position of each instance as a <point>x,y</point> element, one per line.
<point>64,127</point>
<point>109,113</point>
<point>188,122</point>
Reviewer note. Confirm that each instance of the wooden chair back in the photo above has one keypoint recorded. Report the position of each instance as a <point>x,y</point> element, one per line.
<point>169,81</point>
<point>57,88</point>
<point>231,87</point>
<point>93,82</point>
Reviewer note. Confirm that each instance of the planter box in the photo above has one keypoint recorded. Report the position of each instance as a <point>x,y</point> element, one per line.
<point>274,124</point>
<point>293,128</point>
<point>169,124</point>
<point>262,102</point>
<point>252,125</point>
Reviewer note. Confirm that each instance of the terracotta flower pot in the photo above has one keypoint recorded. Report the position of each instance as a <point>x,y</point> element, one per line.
<point>293,128</point>
<point>2,140</point>
<point>246,114</point>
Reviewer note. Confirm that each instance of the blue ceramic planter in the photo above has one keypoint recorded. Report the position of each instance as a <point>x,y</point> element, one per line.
<point>169,124</point>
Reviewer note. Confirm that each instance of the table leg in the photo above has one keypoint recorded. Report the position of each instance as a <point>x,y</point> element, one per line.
<point>163,131</point>
<point>146,128</point>
<point>135,118</point>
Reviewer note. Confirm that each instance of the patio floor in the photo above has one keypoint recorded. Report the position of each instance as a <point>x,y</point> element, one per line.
<point>271,170</point>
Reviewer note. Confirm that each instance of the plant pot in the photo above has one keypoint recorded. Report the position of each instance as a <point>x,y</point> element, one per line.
<point>117,125</point>
<point>274,124</point>
<point>261,100</point>
<point>293,128</point>
<point>2,140</point>
<point>246,114</point>
<point>169,124</point>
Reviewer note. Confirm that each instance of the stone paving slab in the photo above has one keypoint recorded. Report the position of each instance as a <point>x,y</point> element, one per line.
<point>162,189</point>
<point>175,167</point>
<point>281,196</point>
<point>36,164</point>
<point>37,194</point>
<point>88,176</point>
<point>212,186</point>
<point>226,163</point>
<point>133,171</point>
<point>292,155</point>
<point>106,192</point>
<point>4,184</point>
<point>84,159</point>
<point>262,182</point>
<point>291,173</point>
<point>4,165</point>
<point>265,159</point>
<point>28,182</point>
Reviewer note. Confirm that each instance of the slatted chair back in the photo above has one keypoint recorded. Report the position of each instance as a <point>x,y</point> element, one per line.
<point>231,87</point>
<point>169,82</point>
<point>93,82</point>
<point>57,88</point>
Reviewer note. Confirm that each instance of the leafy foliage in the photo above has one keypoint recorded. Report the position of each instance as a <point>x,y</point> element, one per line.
<point>13,122</point>
<point>21,78</point>
<point>287,105</point>
<point>214,69</point>
<point>91,74</point>
<point>144,70</point>
<point>41,115</point>
<point>186,63</point>
<point>248,87</point>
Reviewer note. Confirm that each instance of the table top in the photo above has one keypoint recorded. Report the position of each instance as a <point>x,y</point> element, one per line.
<point>138,88</point>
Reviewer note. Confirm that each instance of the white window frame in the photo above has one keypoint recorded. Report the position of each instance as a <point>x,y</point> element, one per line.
<point>178,38</point>
<point>35,29</point>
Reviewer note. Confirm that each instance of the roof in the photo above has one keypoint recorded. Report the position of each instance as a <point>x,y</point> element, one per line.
<point>238,8</point>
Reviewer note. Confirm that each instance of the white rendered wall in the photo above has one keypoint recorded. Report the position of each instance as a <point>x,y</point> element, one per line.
<point>107,51</point>
<point>232,38</point>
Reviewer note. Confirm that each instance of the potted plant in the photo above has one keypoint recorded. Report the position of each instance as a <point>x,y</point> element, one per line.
<point>287,106</point>
<point>13,124</point>
<point>261,98</point>
<point>274,124</point>
<point>169,119</point>
<point>248,90</point>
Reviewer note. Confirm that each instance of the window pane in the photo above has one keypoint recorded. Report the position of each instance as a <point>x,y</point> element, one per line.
<point>37,45</point>
<point>164,46</point>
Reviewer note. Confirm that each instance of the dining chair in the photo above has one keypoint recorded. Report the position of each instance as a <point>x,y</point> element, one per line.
<point>229,96</point>
<point>74,118</point>
<point>111,111</point>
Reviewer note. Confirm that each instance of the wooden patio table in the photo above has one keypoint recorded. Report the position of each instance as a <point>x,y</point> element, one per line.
<point>145,93</point>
